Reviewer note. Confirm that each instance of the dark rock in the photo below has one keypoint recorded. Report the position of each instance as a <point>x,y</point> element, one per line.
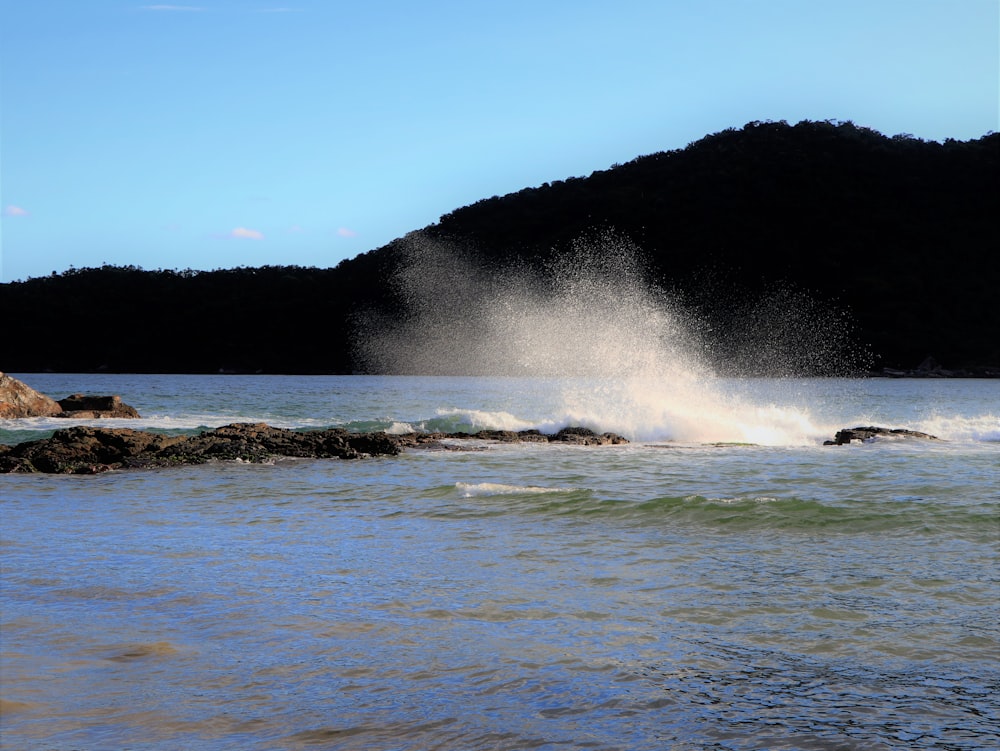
<point>847,435</point>
<point>532,436</point>
<point>257,442</point>
<point>89,450</point>
<point>586,437</point>
<point>82,450</point>
<point>17,400</point>
<point>84,407</point>
<point>502,436</point>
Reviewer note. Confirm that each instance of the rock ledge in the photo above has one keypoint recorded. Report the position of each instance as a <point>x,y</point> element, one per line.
<point>19,400</point>
<point>89,450</point>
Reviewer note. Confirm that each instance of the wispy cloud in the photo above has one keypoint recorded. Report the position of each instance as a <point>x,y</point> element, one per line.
<point>295,229</point>
<point>243,233</point>
<point>12,210</point>
<point>345,232</point>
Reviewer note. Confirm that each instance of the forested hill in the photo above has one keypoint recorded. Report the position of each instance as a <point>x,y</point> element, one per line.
<point>898,233</point>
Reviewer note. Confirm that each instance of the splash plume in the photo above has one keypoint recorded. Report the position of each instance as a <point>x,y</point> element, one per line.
<point>634,359</point>
<point>591,312</point>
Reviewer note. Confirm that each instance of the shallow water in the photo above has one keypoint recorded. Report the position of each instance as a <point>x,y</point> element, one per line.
<point>680,592</point>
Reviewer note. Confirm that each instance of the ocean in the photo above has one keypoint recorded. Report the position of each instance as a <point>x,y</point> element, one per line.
<point>724,581</point>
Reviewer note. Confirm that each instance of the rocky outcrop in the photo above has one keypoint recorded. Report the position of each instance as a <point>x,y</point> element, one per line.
<point>849,435</point>
<point>17,400</point>
<point>90,450</point>
<point>83,450</point>
<point>84,407</point>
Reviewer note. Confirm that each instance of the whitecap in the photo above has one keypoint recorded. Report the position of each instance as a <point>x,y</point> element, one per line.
<point>471,490</point>
<point>979,428</point>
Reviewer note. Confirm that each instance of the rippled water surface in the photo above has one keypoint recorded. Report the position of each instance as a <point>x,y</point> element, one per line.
<point>680,592</point>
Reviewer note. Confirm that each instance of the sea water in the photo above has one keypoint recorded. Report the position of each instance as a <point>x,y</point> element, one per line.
<point>724,581</point>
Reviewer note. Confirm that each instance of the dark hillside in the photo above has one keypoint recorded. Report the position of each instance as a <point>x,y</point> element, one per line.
<point>272,319</point>
<point>900,233</point>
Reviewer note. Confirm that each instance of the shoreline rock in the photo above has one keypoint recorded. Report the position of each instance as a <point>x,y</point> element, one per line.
<point>18,400</point>
<point>89,450</point>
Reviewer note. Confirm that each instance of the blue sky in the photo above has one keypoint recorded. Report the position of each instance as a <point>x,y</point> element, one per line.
<point>211,134</point>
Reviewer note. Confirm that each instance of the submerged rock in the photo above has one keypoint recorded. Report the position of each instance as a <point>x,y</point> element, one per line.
<point>89,450</point>
<point>847,435</point>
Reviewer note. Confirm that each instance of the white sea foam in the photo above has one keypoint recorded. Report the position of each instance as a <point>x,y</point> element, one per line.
<point>471,490</point>
<point>151,422</point>
<point>981,428</point>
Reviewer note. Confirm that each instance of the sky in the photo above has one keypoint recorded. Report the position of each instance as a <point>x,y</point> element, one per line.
<point>208,134</point>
